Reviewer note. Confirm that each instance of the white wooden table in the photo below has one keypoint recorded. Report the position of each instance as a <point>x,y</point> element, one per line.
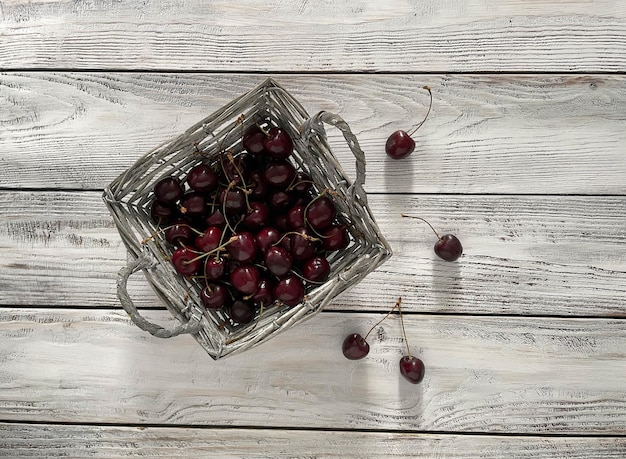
<point>523,158</point>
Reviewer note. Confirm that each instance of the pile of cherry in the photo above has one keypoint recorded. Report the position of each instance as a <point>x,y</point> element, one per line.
<point>249,228</point>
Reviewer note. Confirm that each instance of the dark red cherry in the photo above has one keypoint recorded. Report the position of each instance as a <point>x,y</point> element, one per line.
<point>256,185</point>
<point>243,248</point>
<point>162,213</point>
<point>320,213</point>
<point>215,219</point>
<point>209,240</point>
<point>302,183</point>
<point>289,290</point>
<point>279,200</point>
<point>278,143</point>
<point>335,237</point>
<point>201,178</point>
<point>214,267</point>
<point>278,260</point>
<point>264,294</point>
<point>266,237</point>
<point>316,269</point>
<point>168,190</point>
<point>179,233</point>
<point>192,203</point>
<point>185,262</point>
<point>241,312</point>
<point>214,296</point>
<point>412,369</point>
<point>253,140</point>
<point>295,217</point>
<point>399,145</point>
<point>300,244</point>
<point>258,216</point>
<point>233,200</point>
<point>245,278</point>
<point>448,247</point>
<point>355,347</point>
<point>279,173</point>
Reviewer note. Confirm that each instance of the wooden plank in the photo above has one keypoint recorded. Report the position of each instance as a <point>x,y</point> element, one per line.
<point>24,440</point>
<point>484,375</point>
<point>523,255</point>
<point>534,134</point>
<point>330,36</point>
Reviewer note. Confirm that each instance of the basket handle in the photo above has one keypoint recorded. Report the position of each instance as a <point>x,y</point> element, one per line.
<point>314,126</point>
<point>143,262</point>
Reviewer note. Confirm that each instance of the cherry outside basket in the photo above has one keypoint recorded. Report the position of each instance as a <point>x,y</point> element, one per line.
<point>129,197</point>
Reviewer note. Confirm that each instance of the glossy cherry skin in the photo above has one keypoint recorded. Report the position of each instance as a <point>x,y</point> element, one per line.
<point>266,237</point>
<point>233,200</point>
<point>316,269</point>
<point>214,296</point>
<point>253,140</point>
<point>300,244</point>
<point>162,213</point>
<point>264,294</point>
<point>192,203</point>
<point>295,217</point>
<point>278,260</point>
<point>241,312</point>
<point>215,218</point>
<point>335,237</point>
<point>214,267</point>
<point>209,240</point>
<point>289,290</point>
<point>355,347</point>
<point>184,261</point>
<point>168,190</point>
<point>320,213</point>
<point>412,369</point>
<point>202,178</point>
<point>279,173</point>
<point>243,248</point>
<point>399,145</point>
<point>257,216</point>
<point>448,247</point>
<point>245,278</point>
<point>179,233</point>
<point>278,143</point>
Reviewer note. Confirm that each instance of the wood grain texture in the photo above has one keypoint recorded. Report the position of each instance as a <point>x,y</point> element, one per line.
<point>24,441</point>
<point>484,375</point>
<point>534,134</point>
<point>523,255</point>
<point>256,35</point>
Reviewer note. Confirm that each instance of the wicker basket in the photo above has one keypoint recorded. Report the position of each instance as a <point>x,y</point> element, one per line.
<point>129,196</point>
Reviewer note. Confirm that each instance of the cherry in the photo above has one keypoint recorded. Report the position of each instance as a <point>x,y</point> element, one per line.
<point>245,278</point>
<point>264,294</point>
<point>355,347</point>
<point>233,200</point>
<point>256,185</point>
<point>289,290</point>
<point>267,237</point>
<point>300,243</point>
<point>316,269</point>
<point>335,237</point>
<point>253,140</point>
<point>214,268</point>
<point>179,233</point>
<point>168,190</point>
<point>295,217</point>
<point>448,247</point>
<point>258,215</point>
<point>162,213</point>
<point>278,260</point>
<point>278,143</point>
<point>214,296</point>
<point>241,312</point>
<point>242,247</point>
<point>279,200</point>
<point>400,144</point>
<point>192,203</point>
<point>209,240</point>
<point>216,218</point>
<point>185,261</point>
<point>320,213</point>
<point>279,173</point>
<point>202,178</point>
<point>302,183</point>
<point>412,369</point>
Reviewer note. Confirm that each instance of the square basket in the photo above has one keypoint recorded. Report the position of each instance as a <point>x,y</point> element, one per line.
<point>129,197</point>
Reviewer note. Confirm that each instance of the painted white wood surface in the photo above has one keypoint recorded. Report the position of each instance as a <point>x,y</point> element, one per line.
<point>484,374</point>
<point>298,35</point>
<point>24,440</point>
<point>537,255</point>
<point>536,134</point>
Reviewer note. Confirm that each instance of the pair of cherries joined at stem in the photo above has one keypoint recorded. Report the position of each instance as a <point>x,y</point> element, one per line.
<point>355,347</point>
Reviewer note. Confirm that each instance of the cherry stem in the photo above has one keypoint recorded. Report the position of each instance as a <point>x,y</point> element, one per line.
<point>406,341</point>
<point>161,230</point>
<point>379,322</point>
<point>430,104</point>
<point>425,221</point>
<point>210,252</point>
